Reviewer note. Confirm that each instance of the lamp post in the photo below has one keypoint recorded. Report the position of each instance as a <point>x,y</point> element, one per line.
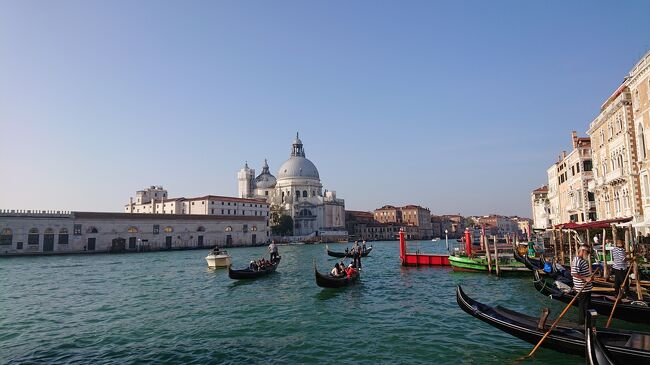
<point>447,240</point>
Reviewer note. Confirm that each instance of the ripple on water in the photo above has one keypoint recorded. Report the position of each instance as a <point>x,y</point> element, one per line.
<point>166,307</point>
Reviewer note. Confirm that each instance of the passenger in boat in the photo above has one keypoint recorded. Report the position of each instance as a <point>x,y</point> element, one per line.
<point>253,266</point>
<point>347,252</point>
<point>582,281</point>
<point>336,271</point>
<point>273,251</point>
<point>350,271</point>
<point>363,247</point>
<point>619,267</point>
<point>216,251</point>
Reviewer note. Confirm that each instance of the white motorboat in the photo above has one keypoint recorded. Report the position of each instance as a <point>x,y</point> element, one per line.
<point>218,258</point>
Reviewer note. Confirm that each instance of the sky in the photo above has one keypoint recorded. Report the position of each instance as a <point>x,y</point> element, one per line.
<point>458,106</point>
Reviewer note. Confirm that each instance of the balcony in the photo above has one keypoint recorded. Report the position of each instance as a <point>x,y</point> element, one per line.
<point>615,175</point>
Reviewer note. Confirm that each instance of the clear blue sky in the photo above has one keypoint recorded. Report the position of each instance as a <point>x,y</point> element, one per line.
<point>457,106</point>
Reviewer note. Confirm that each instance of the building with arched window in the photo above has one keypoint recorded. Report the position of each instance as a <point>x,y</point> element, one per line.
<point>616,185</point>
<point>298,190</point>
<point>638,81</point>
<point>39,232</point>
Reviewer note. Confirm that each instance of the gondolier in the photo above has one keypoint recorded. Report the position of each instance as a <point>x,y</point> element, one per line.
<point>619,267</point>
<point>582,281</point>
<point>273,250</point>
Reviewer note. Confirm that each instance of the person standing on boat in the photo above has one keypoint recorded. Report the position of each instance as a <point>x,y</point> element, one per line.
<point>619,267</point>
<point>273,250</point>
<point>582,281</point>
<point>363,247</point>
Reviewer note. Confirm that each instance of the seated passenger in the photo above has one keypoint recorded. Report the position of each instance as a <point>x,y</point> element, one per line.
<point>350,271</point>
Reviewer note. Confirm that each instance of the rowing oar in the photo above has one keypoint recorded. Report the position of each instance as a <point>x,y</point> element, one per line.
<point>557,320</point>
<point>620,294</point>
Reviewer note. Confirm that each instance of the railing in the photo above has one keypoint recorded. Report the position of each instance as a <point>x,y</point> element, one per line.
<point>35,212</point>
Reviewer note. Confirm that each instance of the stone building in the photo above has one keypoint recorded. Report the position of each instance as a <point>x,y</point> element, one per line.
<point>407,216</point>
<point>541,209</point>
<point>299,192</point>
<point>638,82</point>
<point>553,195</point>
<point>616,179</point>
<point>498,225</point>
<point>39,232</point>
<point>154,200</point>
<point>569,197</point>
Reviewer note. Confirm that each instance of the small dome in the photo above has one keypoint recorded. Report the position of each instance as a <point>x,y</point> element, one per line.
<point>265,180</point>
<point>298,166</point>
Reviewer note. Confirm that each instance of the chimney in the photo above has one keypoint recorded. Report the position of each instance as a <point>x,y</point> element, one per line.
<point>574,138</point>
<point>563,155</point>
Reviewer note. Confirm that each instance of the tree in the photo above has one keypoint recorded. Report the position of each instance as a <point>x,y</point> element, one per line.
<point>284,226</point>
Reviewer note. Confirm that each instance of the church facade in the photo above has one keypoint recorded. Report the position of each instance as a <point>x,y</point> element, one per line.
<point>298,190</point>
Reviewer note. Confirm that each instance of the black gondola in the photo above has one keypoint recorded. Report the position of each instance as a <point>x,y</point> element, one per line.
<point>328,281</point>
<point>634,311</point>
<point>596,353</point>
<point>253,274</point>
<point>626,347</point>
<point>349,254</point>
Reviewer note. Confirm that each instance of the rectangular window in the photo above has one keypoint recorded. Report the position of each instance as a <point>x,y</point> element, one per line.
<point>221,211</point>
<point>587,165</point>
<point>212,211</point>
<point>245,228</point>
<point>156,228</point>
<point>19,245</point>
<point>228,211</point>
<point>77,230</point>
<point>63,239</point>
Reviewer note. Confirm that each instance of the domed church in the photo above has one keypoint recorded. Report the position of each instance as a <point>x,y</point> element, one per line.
<point>299,191</point>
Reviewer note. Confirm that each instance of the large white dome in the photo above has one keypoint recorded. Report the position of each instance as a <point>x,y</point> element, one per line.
<point>298,167</point>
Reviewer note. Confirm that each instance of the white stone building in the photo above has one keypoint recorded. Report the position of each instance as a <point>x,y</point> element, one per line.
<point>153,200</point>
<point>298,190</point>
<point>541,208</point>
<point>38,232</point>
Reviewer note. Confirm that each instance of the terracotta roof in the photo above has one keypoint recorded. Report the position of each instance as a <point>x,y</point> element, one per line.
<point>542,189</point>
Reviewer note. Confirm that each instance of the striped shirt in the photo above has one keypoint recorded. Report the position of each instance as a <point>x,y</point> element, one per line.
<point>580,267</point>
<point>618,255</point>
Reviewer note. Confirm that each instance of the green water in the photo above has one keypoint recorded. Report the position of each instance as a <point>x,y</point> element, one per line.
<point>167,307</point>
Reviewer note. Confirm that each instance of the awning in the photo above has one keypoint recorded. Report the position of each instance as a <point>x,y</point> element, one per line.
<point>593,225</point>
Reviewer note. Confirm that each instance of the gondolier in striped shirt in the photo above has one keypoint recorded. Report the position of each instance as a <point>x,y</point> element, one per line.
<point>582,281</point>
<point>619,267</point>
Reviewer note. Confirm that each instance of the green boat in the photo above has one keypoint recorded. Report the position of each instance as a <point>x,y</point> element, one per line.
<point>480,264</point>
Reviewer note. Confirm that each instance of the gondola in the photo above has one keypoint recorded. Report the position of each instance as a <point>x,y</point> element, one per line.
<point>596,353</point>
<point>637,311</point>
<point>253,274</point>
<point>349,254</point>
<point>537,265</point>
<point>328,281</point>
<point>625,347</point>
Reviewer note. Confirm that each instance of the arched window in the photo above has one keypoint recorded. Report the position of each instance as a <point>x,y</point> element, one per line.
<point>229,229</point>
<point>304,193</point>
<point>92,229</point>
<point>132,229</point>
<point>168,229</point>
<point>200,229</point>
<point>254,228</point>
<point>49,231</point>
<point>313,193</point>
<point>6,237</point>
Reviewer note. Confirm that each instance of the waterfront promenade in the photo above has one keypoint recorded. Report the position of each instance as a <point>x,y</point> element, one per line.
<point>167,307</point>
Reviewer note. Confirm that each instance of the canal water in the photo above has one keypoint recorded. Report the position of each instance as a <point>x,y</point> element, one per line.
<point>167,307</point>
